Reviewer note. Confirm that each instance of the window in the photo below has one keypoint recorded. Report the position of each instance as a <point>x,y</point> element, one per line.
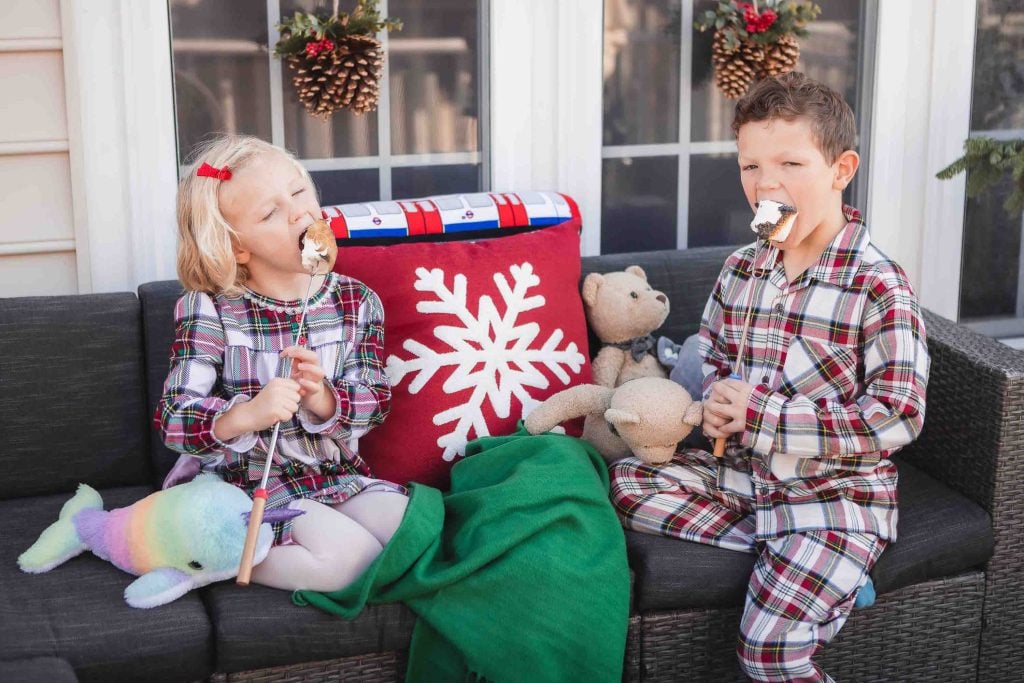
<point>426,137</point>
<point>670,178</point>
<point>992,269</point>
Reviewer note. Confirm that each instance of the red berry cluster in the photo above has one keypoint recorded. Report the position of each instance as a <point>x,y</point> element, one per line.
<point>315,47</point>
<point>757,23</point>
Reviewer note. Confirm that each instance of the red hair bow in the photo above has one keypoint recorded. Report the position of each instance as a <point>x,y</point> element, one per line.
<point>208,171</point>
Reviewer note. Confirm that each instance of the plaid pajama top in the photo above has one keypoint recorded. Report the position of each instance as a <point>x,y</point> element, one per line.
<point>840,366</point>
<point>226,349</point>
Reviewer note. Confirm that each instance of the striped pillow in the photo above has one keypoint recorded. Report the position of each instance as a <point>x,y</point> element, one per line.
<point>451,217</point>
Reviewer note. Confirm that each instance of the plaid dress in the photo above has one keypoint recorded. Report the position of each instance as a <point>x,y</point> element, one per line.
<point>840,366</point>
<point>226,349</point>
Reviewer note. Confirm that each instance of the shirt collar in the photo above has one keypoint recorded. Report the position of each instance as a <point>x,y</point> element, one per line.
<point>839,263</point>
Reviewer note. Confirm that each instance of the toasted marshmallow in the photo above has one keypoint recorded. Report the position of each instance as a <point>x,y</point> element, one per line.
<point>773,220</point>
<point>319,250</point>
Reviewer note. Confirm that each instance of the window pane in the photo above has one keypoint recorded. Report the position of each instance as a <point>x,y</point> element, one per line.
<point>641,71</point>
<point>998,100</point>
<point>347,187</point>
<point>638,206</point>
<point>719,213</point>
<point>991,257</point>
<point>829,53</point>
<point>221,71</point>
<point>422,181</point>
<point>344,134</point>
<point>435,100</point>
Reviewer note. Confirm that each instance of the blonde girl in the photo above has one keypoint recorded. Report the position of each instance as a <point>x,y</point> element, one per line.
<point>243,206</point>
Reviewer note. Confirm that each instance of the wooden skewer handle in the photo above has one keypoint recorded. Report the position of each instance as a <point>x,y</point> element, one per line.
<point>719,448</point>
<point>259,502</point>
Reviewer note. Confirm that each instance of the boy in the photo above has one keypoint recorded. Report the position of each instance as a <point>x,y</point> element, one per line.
<point>834,377</point>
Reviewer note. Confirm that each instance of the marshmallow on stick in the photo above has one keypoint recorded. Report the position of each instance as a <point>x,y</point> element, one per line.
<point>319,250</point>
<point>773,220</point>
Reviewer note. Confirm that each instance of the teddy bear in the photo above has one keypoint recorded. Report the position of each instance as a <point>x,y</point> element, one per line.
<point>622,310</point>
<point>646,417</point>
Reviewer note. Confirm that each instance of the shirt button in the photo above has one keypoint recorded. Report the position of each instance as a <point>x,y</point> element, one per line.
<point>764,491</point>
<point>764,380</point>
<point>779,308</point>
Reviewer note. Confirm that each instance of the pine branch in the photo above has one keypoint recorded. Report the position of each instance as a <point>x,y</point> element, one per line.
<point>988,162</point>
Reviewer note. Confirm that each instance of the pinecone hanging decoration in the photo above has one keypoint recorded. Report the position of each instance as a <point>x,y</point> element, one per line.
<point>734,69</point>
<point>780,58</point>
<point>752,43</point>
<point>336,60</point>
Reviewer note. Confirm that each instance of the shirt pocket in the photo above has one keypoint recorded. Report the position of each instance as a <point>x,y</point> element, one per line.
<point>247,369</point>
<point>820,371</point>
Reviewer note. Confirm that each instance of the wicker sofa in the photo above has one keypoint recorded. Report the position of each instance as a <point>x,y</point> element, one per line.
<point>80,375</point>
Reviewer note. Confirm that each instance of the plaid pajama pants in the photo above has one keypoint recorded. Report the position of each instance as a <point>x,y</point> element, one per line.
<point>803,585</point>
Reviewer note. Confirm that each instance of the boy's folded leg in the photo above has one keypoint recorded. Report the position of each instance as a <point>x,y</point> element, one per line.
<point>681,499</point>
<point>800,595</point>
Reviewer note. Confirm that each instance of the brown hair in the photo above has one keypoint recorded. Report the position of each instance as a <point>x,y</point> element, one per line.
<point>206,258</point>
<point>793,96</point>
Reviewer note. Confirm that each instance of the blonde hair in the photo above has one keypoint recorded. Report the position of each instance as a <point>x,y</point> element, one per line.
<point>206,257</point>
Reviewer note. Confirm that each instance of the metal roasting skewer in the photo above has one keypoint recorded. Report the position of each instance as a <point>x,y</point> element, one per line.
<point>259,496</point>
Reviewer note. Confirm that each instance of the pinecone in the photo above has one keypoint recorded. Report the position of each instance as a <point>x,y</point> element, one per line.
<point>781,57</point>
<point>735,70</point>
<point>347,76</point>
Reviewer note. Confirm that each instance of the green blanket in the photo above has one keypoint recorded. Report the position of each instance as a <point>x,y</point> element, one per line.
<point>518,574</point>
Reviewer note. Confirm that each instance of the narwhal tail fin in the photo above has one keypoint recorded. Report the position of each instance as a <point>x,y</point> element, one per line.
<point>59,542</point>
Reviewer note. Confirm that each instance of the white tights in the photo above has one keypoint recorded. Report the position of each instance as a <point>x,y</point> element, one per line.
<point>332,544</point>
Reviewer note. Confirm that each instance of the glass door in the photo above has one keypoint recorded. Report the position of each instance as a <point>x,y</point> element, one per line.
<point>992,267</point>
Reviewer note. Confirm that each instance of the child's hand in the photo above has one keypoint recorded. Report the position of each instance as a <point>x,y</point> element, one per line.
<point>276,402</point>
<point>725,411</point>
<point>306,370</point>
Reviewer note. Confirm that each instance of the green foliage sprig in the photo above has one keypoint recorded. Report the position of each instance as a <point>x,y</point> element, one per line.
<point>764,23</point>
<point>303,27</point>
<point>987,161</point>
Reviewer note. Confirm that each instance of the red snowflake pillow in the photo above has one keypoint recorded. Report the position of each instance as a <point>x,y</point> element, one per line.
<point>476,334</point>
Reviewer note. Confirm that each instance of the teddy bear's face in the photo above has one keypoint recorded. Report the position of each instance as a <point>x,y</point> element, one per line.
<point>652,415</point>
<point>622,306</point>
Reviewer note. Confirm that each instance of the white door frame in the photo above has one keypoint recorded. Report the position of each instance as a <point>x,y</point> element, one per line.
<point>922,109</point>
<point>117,65</point>
<point>546,101</point>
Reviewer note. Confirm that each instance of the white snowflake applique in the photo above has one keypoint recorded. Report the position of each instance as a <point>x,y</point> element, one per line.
<point>489,352</point>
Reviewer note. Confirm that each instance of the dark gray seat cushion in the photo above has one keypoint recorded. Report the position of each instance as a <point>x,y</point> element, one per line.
<point>72,403</point>
<point>77,611</point>
<point>258,627</point>
<point>157,300</point>
<point>37,670</point>
<point>941,533</point>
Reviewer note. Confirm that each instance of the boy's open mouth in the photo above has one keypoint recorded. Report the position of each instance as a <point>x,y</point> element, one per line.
<point>302,237</point>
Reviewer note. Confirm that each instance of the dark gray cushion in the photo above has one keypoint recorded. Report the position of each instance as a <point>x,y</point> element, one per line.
<point>258,627</point>
<point>157,300</point>
<point>72,406</point>
<point>37,670</point>
<point>77,611</point>
<point>941,533</point>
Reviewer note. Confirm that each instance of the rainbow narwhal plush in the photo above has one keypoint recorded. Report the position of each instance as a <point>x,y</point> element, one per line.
<point>174,540</point>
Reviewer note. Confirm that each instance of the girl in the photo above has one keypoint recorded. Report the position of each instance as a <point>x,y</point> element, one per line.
<point>243,207</point>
